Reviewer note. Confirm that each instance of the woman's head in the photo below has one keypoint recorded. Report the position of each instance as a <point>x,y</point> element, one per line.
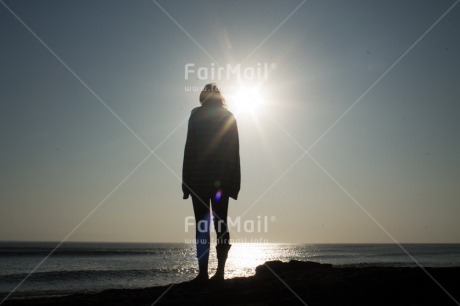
<point>211,95</point>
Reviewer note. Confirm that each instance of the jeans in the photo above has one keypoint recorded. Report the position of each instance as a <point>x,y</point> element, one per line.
<point>202,210</point>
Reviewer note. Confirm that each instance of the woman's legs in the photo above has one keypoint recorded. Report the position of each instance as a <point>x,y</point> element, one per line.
<point>203,219</point>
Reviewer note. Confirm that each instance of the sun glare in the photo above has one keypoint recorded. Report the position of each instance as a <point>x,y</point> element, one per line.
<point>247,100</point>
<point>246,256</point>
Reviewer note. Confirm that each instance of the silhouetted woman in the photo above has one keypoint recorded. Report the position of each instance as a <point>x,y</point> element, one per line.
<point>211,174</point>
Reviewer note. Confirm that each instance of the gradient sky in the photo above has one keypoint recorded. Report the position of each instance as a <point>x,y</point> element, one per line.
<point>390,166</point>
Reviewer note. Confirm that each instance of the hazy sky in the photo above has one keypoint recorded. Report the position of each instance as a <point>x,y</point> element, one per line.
<point>390,165</point>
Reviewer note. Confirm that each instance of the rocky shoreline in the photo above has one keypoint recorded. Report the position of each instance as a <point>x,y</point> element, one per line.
<point>290,283</point>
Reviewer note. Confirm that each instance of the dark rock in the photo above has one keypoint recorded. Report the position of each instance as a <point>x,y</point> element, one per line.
<point>279,267</point>
<point>292,283</point>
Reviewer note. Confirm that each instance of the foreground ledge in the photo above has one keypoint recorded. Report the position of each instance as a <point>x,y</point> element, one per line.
<point>290,283</point>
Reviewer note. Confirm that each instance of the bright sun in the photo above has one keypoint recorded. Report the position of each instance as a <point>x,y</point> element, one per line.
<point>247,99</point>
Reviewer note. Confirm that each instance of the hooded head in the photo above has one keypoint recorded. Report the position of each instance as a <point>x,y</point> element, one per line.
<point>211,95</point>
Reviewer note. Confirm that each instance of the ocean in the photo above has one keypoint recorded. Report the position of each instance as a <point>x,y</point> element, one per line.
<point>91,267</point>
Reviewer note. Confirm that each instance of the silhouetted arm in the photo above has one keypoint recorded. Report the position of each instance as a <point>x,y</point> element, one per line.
<point>188,160</point>
<point>235,177</point>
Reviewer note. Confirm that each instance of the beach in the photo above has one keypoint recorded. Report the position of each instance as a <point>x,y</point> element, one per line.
<point>290,283</point>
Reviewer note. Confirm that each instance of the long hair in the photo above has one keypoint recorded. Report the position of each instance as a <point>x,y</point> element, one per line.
<point>211,95</point>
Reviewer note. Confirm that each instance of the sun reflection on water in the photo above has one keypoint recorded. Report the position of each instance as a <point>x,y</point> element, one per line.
<point>245,257</point>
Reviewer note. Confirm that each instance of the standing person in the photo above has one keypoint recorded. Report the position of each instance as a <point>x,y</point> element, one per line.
<point>211,174</point>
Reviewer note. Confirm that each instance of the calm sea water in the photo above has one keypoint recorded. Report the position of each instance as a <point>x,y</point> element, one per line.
<point>90,267</point>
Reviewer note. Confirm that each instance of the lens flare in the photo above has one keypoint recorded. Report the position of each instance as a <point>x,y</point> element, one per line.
<point>218,195</point>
